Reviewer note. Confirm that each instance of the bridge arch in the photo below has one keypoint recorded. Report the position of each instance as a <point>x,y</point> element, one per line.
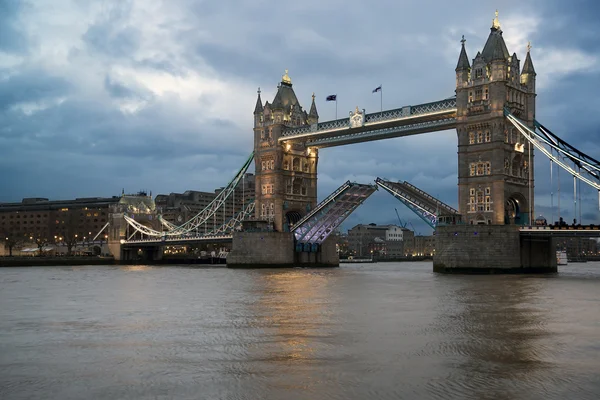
<point>516,209</point>
<point>291,218</point>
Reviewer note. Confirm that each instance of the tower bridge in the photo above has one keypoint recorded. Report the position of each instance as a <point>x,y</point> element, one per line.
<point>493,112</point>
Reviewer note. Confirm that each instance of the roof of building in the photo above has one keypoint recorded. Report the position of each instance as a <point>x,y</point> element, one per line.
<point>528,64</point>
<point>259,107</point>
<point>285,97</point>
<point>34,204</point>
<point>313,109</point>
<point>463,60</point>
<point>495,47</point>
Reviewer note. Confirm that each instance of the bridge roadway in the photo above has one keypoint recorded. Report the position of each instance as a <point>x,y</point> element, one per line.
<point>361,127</point>
<point>178,241</point>
<point>561,231</point>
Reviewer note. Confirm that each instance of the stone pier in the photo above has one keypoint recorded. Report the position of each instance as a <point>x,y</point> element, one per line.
<point>277,250</point>
<point>491,249</point>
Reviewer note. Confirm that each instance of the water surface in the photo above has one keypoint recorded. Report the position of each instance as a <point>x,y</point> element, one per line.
<point>384,331</point>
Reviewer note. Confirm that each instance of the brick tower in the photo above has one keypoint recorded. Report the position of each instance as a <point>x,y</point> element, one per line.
<point>495,163</point>
<point>286,175</point>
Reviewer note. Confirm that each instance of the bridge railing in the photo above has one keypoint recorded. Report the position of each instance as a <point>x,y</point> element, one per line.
<point>376,117</point>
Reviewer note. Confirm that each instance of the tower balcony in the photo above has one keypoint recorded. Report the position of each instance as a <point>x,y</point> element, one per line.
<point>517,109</point>
<point>478,107</point>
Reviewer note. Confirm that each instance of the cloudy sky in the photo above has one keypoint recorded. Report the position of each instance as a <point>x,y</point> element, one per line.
<point>96,96</point>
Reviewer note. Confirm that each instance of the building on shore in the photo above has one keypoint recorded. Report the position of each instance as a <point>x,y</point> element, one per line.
<point>424,246</point>
<point>40,223</point>
<point>382,241</point>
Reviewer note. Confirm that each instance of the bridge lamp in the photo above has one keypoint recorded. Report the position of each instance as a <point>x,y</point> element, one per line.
<point>288,146</point>
<point>308,151</point>
<point>122,241</point>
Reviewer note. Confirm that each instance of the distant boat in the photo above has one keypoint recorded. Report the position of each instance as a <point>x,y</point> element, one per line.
<point>561,257</point>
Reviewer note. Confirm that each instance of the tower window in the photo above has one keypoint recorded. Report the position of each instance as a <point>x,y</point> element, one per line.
<point>486,94</point>
<point>479,137</point>
<point>478,94</point>
<point>480,170</point>
<point>488,136</point>
<point>471,137</point>
<point>470,97</point>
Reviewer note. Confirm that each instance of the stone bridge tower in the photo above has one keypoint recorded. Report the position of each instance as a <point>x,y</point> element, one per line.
<point>495,162</point>
<point>286,175</point>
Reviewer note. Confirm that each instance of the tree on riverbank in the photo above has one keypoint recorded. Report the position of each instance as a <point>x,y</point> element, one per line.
<point>11,241</point>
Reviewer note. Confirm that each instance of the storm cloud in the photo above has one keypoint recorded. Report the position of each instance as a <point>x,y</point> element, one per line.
<point>158,95</point>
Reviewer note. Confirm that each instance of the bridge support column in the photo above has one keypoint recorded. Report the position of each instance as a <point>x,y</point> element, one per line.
<point>538,252</point>
<point>490,249</point>
<point>114,247</point>
<point>277,250</point>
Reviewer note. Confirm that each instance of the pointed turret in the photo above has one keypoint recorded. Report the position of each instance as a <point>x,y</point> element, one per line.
<point>528,74</point>
<point>528,65</point>
<point>463,60</point>
<point>313,115</point>
<point>495,47</point>
<point>259,107</point>
<point>285,96</point>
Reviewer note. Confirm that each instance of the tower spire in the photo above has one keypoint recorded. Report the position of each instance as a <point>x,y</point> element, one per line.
<point>463,60</point>
<point>528,64</point>
<point>313,115</point>
<point>496,22</point>
<point>259,107</point>
<point>286,78</point>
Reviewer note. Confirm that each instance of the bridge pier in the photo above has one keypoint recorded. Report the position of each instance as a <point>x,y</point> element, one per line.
<point>277,250</point>
<point>491,249</point>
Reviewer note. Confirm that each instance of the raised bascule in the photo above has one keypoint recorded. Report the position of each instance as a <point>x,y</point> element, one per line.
<point>493,113</point>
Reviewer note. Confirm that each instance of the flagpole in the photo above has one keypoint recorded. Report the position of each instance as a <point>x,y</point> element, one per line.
<point>381,98</point>
<point>336,107</point>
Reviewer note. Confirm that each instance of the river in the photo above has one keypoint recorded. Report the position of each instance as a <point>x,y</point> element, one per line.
<point>369,331</point>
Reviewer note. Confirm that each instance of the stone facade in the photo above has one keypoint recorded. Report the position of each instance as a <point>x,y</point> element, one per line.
<point>495,162</point>
<point>286,175</point>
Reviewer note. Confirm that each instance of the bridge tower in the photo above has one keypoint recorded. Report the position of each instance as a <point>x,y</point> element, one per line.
<point>495,164</point>
<point>286,175</point>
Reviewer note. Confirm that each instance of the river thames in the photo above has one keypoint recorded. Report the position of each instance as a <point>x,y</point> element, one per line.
<point>370,331</point>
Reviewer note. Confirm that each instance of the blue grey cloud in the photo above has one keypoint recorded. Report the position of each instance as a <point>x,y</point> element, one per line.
<point>148,95</point>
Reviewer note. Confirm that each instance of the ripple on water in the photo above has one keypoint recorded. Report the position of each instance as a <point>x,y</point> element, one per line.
<point>384,331</point>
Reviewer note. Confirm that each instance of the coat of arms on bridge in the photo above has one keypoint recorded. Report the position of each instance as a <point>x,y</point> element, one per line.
<point>357,118</point>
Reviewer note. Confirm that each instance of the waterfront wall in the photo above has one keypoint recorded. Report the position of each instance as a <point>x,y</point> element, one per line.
<point>484,249</point>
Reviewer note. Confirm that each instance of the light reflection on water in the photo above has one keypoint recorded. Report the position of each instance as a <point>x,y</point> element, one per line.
<point>387,330</point>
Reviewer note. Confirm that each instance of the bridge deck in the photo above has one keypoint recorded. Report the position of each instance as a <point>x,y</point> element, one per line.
<point>315,227</point>
<point>423,204</point>
<point>404,121</point>
<point>566,231</point>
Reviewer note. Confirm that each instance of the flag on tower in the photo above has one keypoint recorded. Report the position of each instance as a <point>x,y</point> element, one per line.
<point>331,97</point>
<point>377,89</point>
